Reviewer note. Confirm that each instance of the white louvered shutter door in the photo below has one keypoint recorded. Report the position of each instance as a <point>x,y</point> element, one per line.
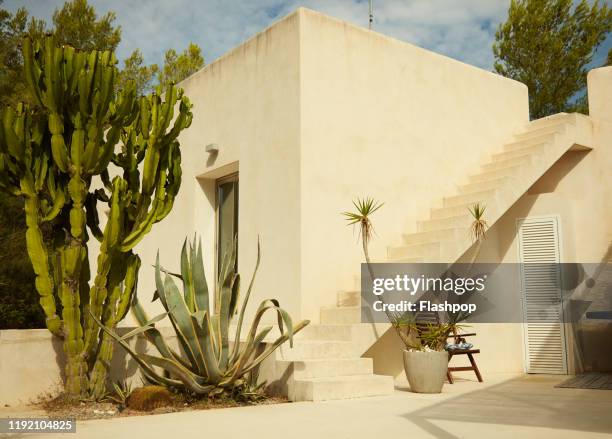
<point>541,295</point>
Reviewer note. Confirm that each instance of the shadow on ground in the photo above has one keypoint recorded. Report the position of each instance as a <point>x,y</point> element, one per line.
<point>530,401</point>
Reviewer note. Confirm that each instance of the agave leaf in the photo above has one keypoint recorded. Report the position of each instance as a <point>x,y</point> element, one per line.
<point>199,316</point>
<point>171,273</point>
<point>235,289</point>
<point>207,346</point>
<point>222,304</point>
<point>148,325</point>
<point>188,378</point>
<point>263,307</point>
<point>154,336</point>
<point>259,338</point>
<point>245,301</point>
<point>199,279</point>
<point>273,346</point>
<point>185,329</point>
<point>248,353</point>
<point>188,289</point>
<point>143,364</point>
<point>159,284</point>
<point>227,267</point>
<point>224,320</point>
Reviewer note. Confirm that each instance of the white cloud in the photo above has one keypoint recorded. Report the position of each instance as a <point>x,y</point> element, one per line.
<point>462,29</point>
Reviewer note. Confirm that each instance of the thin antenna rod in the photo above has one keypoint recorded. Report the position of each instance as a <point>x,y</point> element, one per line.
<point>371,15</point>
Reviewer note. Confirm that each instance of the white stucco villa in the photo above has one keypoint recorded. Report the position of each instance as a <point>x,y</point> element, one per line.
<point>311,113</point>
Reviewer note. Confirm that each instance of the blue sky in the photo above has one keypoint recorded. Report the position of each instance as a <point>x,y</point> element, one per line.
<point>461,29</point>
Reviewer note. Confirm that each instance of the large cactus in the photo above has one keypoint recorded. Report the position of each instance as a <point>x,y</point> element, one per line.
<point>60,159</point>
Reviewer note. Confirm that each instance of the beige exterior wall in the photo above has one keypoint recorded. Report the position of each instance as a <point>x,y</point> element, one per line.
<point>390,120</point>
<point>314,112</point>
<point>247,103</point>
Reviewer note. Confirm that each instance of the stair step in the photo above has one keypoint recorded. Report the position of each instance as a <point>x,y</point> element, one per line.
<point>480,186</point>
<point>332,367</point>
<point>343,314</point>
<point>523,160</point>
<point>412,260</point>
<point>474,197</point>
<point>429,236</point>
<point>529,149</point>
<point>349,298</point>
<point>342,387</point>
<point>535,131</point>
<point>494,175</point>
<point>306,350</point>
<point>447,212</point>
<point>458,221</point>
<point>328,332</point>
<point>426,251</point>
<point>519,144</point>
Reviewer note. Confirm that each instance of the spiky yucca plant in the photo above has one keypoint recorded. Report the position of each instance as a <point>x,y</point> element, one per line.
<point>364,209</point>
<point>479,225</point>
<point>478,228</point>
<point>210,366</point>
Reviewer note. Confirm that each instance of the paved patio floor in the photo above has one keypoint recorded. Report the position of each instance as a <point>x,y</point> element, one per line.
<point>503,407</point>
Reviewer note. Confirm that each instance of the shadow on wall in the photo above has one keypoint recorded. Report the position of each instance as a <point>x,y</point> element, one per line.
<point>123,366</point>
<point>387,355</point>
<point>551,179</point>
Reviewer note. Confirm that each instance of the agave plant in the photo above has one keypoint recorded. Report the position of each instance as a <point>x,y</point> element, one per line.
<point>210,365</point>
<point>121,393</point>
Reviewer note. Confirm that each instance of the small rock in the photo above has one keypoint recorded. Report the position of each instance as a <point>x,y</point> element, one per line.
<point>98,412</point>
<point>111,412</point>
<point>6,405</point>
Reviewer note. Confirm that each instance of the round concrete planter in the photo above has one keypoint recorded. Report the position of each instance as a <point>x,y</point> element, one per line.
<point>426,371</point>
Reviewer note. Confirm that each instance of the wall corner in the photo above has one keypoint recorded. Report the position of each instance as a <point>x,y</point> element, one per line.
<point>599,85</point>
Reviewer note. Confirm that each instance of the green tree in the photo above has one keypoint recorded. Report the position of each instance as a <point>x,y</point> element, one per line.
<point>135,70</point>
<point>77,25</point>
<point>13,27</point>
<point>547,44</point>
<point>19,308</point>
<point>176,68</point>
<point>179,66</point>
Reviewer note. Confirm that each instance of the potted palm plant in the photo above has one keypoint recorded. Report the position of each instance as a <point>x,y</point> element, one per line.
<point>425,357</point>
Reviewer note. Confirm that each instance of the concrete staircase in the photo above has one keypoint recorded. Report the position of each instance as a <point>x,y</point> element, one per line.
<point>501,181</point>
<point>326,362</point>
